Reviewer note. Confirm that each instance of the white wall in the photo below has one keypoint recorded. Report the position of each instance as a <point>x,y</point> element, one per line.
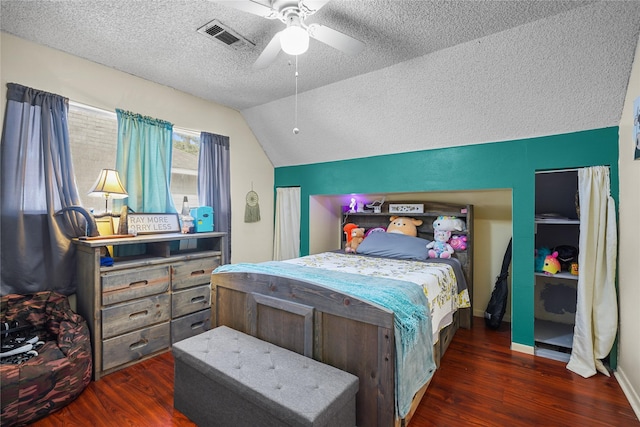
<point>89,83</point>
<point>628,255</point>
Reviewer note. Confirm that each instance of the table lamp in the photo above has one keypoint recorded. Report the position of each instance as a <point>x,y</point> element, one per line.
<point>108,185</point>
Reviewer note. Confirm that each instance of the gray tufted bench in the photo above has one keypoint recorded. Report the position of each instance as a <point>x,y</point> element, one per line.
<point>226,378</point>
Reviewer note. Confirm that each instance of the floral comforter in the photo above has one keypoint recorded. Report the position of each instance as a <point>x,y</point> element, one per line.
<point>445,290</point>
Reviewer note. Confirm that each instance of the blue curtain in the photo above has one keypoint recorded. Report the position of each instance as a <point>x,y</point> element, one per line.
<point>214,183</point>
<point>37,180</point>
<point>143,159</point>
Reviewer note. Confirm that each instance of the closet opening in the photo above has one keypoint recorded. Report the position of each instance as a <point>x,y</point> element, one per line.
<point>557,233</point>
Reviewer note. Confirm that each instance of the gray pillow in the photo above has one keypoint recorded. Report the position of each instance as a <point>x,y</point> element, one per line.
<point>394,245</point>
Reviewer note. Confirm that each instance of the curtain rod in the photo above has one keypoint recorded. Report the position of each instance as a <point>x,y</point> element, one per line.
<point>114,115</point>
<point>559,170</point>
<point>92,108</point>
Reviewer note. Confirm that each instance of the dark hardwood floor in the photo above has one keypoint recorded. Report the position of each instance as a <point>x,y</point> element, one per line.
<point>479,383</point>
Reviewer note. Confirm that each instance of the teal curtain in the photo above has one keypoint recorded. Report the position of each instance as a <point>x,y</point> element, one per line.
<point>143,159</point>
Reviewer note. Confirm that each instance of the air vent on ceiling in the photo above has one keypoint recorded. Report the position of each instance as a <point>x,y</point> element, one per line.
<point>229,38</point>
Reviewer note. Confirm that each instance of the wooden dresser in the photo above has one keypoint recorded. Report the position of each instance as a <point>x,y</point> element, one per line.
<point>143,303</point>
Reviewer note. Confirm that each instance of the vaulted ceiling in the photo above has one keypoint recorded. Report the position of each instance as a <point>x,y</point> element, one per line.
<point>432,74</point>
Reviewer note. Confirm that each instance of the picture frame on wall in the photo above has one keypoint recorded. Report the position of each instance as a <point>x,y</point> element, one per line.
<point>636,128</point>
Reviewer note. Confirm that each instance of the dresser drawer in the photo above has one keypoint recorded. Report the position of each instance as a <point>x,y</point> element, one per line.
<point>190,325</point>
<point>137,314</point>
<point>125,285</point>
<point>134,345</point>
<point>190,300</point>
<point>194,272</point>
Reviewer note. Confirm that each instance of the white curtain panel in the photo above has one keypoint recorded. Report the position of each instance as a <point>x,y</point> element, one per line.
<point>286,242</point>
<point>597,307</point>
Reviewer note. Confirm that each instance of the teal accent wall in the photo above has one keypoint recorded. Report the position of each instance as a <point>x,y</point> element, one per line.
<point>501,165</point>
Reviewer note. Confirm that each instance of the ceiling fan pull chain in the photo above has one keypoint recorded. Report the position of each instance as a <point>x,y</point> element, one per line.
<point>295,124</point>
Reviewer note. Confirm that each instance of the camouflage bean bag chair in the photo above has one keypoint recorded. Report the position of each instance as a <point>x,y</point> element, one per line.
<point>61,370</point>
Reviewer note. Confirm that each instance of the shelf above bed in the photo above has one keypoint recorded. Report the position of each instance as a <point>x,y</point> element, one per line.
<point>431,209</point>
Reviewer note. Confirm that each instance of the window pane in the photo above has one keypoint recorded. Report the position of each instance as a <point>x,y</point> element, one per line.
<point>93,136</point>
<point>184,167</point>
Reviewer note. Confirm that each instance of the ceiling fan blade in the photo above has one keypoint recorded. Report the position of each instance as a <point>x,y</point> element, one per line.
<point>269,53</point>
<point>336,39</point>
<point>312,6</point>
<point>253,7</point>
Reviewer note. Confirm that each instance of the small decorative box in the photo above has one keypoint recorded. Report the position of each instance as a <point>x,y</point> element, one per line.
<point>404,208</point>
<point>202,218</point>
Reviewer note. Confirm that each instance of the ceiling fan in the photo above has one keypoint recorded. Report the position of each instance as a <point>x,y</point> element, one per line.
<point>294,39</point>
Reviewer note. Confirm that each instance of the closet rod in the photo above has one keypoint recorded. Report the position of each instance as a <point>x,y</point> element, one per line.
<point>560,170</point>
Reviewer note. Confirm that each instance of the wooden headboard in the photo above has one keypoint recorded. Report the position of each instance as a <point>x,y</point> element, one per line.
<point>431,210</point>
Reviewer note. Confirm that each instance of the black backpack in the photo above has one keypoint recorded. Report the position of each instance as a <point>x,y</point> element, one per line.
<point>498,303</point>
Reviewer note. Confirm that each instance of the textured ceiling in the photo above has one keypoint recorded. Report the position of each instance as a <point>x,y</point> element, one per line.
<point>425,65</point>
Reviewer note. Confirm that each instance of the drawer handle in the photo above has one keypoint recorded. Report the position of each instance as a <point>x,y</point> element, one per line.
<point>138,345</point>
<point>138,283</point>
<point>197,325</point>
<point>139,314</point>
<point>195,300</point>
<point>197,272</point>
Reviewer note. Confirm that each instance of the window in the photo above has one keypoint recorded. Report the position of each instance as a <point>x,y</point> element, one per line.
<point>93,136</point>
<point>184,167</point>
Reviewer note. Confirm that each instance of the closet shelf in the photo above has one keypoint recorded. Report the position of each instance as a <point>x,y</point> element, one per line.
<point>554,333</point>
<point>551,221</point>
<point>561,275</point>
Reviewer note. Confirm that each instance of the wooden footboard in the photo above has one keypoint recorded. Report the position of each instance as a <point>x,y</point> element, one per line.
<point>334,328</point>
<point>326,325</point>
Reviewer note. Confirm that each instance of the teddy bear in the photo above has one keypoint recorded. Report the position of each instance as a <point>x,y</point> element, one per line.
<point>348,227</point>
<point>439,247</point>
<point>357,236</point>
<point>404,225</point>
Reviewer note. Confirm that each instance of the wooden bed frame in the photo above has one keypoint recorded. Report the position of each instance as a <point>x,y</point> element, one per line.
<point>334,328</point>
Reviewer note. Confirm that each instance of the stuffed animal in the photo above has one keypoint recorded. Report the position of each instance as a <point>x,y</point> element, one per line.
<point>439,248</point>
<point>448,223</point>
<point>404,225</point>
<point>567,255</point>
<point>540,255</point>
<point>551,264</point>
<point>458,243</point>
<point>357,236</point>
<point>347,230</point>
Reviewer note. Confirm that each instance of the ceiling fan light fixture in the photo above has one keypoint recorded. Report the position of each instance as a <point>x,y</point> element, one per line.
<point>294,40</point>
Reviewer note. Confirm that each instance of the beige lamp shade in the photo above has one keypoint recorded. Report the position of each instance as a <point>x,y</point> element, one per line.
<point>108,185</point>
